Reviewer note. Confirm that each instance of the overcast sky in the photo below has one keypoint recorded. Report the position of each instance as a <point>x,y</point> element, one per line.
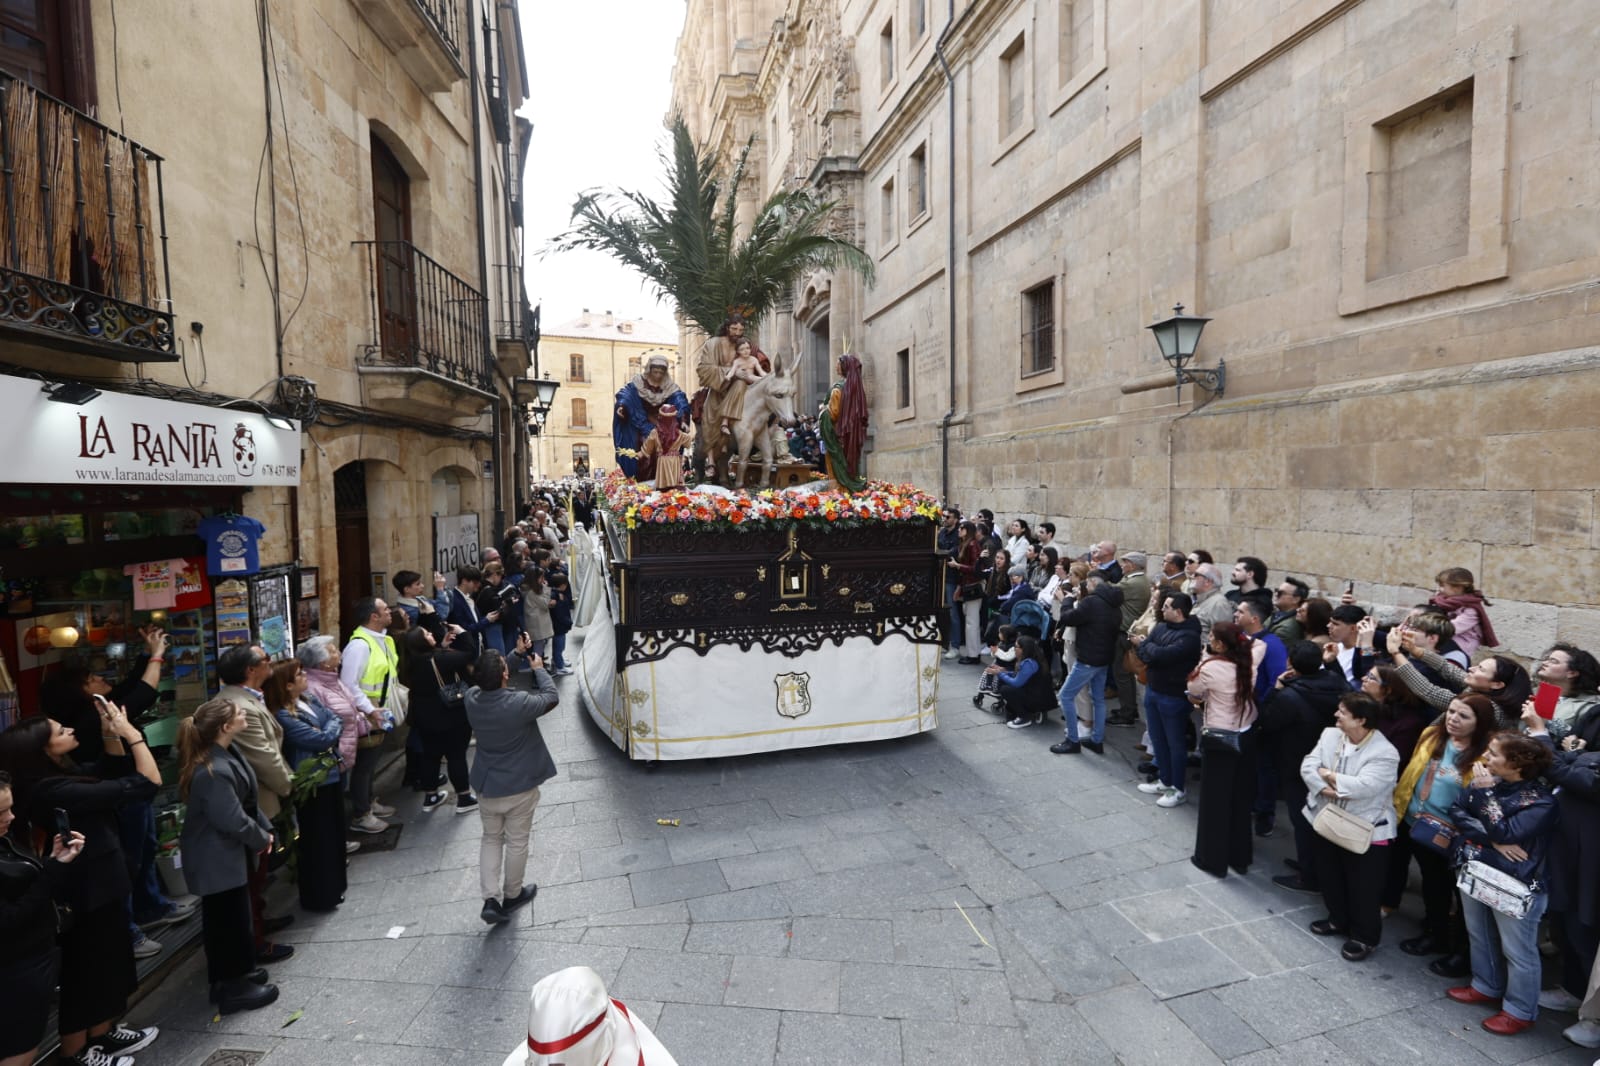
<point>599,76</point>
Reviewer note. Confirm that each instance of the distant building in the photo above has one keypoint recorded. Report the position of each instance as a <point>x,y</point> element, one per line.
<point>593,356</point>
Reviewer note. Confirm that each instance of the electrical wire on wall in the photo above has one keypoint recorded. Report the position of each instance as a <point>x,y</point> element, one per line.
<point>267,167</point>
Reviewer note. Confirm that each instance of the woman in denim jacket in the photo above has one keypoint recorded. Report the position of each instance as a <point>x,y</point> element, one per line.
<point>311,728</point>
<point>1507,818</point>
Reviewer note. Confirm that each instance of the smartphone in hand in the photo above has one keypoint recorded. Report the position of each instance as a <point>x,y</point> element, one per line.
<point>63,826</point>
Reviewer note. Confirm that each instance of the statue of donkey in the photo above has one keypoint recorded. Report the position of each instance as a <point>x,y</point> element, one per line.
<point>768,408</point>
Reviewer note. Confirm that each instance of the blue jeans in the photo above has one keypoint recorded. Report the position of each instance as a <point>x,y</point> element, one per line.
<point>1165,717</point>
<point>955,614</point>
<point>558,646</point>
<point>137,823</point>
<point>1505,954</point>
<point>1095,677</point>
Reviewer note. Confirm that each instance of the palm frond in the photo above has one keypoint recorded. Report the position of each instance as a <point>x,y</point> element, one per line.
<point>687,246</point>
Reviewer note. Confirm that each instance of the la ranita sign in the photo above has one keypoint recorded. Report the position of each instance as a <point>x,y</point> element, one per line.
<point>118,439</point>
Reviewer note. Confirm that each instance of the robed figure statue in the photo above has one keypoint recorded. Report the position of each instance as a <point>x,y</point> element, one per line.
<point>842,425</point>
<point>637,405</point>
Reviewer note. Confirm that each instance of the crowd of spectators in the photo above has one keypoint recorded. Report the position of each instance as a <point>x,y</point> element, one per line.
<point>283,757</point>
<point>1387,736</point>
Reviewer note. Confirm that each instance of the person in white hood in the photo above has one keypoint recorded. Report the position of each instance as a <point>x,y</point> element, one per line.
<point>572,1022</point>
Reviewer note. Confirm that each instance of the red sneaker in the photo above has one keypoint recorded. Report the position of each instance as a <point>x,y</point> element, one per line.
<point>1505,1025</point>
<point>1468,994</point>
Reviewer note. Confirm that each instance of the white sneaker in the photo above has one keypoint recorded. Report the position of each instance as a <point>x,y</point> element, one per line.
<point>1019,722</point>
<point>1585,1034</point>
<point>952,654</point>
<point>146,948</point>
<point>368,823</point>
<point>1559,999</point>
<point>93,1056</point>
<point>382,810</point>
<point>1171,798</point>
<point>563,671</point>
<point>1152,788</point>
<point>352,846</point>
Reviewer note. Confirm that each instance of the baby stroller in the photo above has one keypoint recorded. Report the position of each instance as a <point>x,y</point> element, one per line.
<point>1005,654</point>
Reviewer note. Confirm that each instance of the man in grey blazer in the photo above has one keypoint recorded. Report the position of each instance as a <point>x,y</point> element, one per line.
<point>512,762</point>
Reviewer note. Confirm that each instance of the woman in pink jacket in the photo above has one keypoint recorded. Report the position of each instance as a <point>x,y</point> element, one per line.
<point>1223,686</point>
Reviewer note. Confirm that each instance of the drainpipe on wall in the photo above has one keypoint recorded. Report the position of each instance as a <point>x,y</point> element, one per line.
<point>950,254</point>
<point>483,269</point>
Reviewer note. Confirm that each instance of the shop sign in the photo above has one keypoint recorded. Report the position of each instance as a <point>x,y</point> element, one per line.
<point>118,439</point>
<point>455,543</point>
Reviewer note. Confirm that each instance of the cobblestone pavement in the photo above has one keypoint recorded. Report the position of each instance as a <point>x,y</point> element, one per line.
<point>958,897</point>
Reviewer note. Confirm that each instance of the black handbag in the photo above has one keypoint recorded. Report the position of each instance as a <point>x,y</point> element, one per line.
<point>453,694</point>
<point>1213,739</point>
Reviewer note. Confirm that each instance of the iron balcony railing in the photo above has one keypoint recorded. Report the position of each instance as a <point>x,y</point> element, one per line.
<point>445,15</point>
<point>515,319</point>
<point>494,76</point>
<point>83,230</point>
<point>424,317</point>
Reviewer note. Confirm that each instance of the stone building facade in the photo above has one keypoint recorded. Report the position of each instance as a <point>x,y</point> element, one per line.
<point>593,356</point>
<point>1388,209</point>
<point>341,212</point>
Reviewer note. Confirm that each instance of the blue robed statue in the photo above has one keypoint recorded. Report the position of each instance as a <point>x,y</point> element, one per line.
<point>635,416</point>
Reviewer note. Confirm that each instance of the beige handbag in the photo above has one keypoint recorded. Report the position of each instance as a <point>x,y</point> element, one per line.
<point>1338,826</point>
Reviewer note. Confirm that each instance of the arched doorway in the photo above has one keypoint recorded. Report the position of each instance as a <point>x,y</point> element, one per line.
<point>351,537</point>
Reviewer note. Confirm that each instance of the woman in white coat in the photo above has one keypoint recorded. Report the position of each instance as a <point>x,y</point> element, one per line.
<point>1355,767</point>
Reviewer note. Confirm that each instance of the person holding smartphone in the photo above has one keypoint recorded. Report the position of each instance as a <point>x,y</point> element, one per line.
<point>97,964</point>
<point>28,932</point>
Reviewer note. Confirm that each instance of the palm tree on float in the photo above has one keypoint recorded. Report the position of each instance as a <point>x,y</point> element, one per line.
<point>688,248</point>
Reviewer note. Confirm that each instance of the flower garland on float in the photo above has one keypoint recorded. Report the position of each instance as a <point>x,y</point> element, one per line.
<point>635,505</point>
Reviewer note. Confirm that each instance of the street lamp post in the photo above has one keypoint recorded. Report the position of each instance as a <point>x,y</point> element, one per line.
<point>1178,337</point>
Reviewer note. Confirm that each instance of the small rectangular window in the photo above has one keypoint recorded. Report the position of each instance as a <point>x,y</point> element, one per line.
<point>1039,329</point>
<point>919,19</point>
<point>917,183</point>
<point>1013,87</point>
<point>575,367</point>
<point>887,212</point>
<point>635,364</point>
<point>886,55</point>
<point>580,459</point>
<point>902,377</point>
<point>580,414</point>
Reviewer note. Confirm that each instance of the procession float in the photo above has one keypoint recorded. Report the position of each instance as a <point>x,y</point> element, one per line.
<point>730,610</point>
<point>735,622</point>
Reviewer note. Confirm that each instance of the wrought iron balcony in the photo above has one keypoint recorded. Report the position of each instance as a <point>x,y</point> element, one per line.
<point>424,35</point>
<point>424,318</point>
<point>83,232</point>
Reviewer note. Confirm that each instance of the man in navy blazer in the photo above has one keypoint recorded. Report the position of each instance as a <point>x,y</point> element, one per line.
<point>464,612</point>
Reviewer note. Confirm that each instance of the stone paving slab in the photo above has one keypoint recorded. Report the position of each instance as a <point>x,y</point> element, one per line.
<point>959,897</point>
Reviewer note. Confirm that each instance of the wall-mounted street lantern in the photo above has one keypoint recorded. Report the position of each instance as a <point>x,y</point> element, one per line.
<point>1178,337</point>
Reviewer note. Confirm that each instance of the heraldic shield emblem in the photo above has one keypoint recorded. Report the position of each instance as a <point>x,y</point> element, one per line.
<point>794,694</point>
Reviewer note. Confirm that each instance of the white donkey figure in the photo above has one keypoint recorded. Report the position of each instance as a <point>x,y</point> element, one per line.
<point>768,408</point>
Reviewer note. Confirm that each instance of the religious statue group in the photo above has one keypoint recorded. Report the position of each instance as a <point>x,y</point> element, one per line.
<point>654,424</point>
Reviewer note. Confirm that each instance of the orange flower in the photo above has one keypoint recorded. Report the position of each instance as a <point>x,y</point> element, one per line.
<point>646,511</point>
<point>737,517</point>
<point>797,511</point>
<point>672,512</point>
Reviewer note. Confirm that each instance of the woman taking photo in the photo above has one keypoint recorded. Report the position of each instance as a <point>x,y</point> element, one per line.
<point>27,934</point>
<point>969,591</point>
<point>445,732</point>
<point>1353,767</point>
<point>1499,677</point>
<point>1507,818</point>
<point>1222,686</point>
<point>223,832</point>
<point>310,729</point>
<point>97,967</point>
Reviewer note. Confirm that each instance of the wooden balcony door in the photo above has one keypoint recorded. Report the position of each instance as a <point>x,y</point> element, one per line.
<point>48,44</point>
<point>397,283</point>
